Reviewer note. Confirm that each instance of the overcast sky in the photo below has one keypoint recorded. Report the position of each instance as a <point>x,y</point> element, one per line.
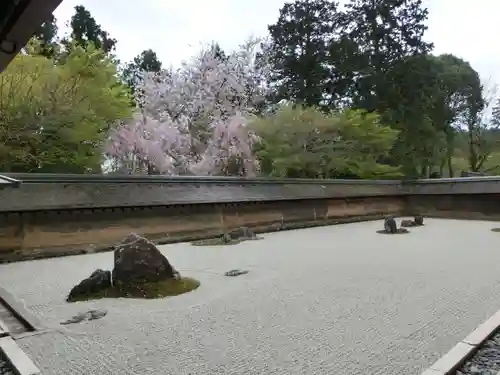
<point>175,29</point>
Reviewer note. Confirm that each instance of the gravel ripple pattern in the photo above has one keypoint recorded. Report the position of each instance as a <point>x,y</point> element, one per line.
<point>337,300</point>
<point>486,361</point>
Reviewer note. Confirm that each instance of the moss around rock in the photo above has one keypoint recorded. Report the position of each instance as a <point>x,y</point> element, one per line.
<point>159,289</point>
<point>232,238</point>
<point>140,271</point>
<point>218,241</point>
<point>398,231</point>
<point>242,232</point>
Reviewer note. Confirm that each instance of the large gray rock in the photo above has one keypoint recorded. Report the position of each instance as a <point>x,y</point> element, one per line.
<point>390,225</point>
<point>97,281</point>
<point>419,220</point>
<point>137,260</point>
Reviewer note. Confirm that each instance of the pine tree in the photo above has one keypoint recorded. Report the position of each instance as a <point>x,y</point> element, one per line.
<point>298,50</point>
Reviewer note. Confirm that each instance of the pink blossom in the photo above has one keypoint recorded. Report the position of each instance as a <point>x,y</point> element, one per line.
<point>194,119</point>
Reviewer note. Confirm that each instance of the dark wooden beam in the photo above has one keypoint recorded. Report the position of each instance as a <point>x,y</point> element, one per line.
<point>20,30</point>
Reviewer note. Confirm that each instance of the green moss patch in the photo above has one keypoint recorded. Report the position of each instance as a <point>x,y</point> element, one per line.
<point>495,229</point>
<point>161,289</point>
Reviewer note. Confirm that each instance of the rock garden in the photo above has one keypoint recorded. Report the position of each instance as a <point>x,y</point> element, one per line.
<point>140,271</point>
<point>391,226</point>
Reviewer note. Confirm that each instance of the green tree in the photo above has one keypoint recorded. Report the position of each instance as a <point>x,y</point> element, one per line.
<point>85,29</point>
<point>384,32</point>
<point>463,102</point>
<point>383,58</point>
<point>298,51</point>
<point>307,142</point>
<point>146,61</point>
<point>483,137</point>
<point>55,117</point>
<point>431,99</point>
<point>413,101</point>
<point>47,37</point>
<point>370,56</point>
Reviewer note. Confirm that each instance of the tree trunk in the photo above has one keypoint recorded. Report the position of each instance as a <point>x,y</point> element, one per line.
<point>450,166</point>
<point>472,152</point>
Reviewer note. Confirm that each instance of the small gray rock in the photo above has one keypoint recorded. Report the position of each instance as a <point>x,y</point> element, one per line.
<point>390,225</point>
<point>407,223</point>
<point>76,319</point>
<point>87,315</point>
<point>236,272</point>
<point>226,238</point>
<point>419,220</point>
<point>243,233</point>
<point>96,314</point>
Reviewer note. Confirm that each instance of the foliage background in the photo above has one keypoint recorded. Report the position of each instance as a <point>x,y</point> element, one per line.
<point>351,92</point>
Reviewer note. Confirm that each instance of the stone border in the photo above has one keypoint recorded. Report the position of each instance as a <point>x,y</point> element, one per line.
<point>4,330</point>
<point>21,363</point>
<point>451,361</point>
<point>26,317</point>
<point>8,182</point>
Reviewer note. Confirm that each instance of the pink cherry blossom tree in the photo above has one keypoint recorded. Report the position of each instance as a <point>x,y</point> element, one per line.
<point>193,120</point>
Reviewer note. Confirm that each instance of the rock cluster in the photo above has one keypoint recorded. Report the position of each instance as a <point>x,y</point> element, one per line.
<point>416,222</point>
<point>136,261</point>
<point>241,233</point>
<point>390,227</point>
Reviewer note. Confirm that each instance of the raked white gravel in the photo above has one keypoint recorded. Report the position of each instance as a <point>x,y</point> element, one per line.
<point>330,300</point>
